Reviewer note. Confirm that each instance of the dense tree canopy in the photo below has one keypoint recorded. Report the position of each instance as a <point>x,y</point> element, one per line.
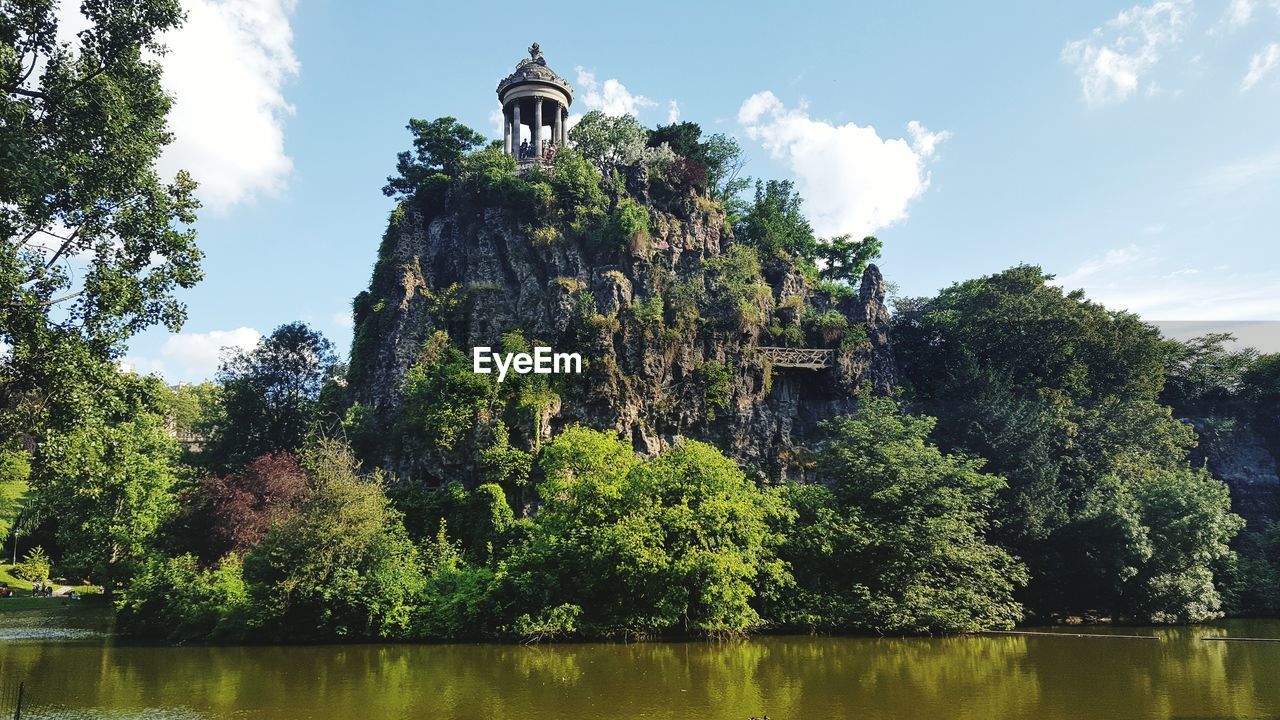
<point>1062,397</point>
<point>679,543</point>
<point>894,539</point>
<point>271,395</point>
<point>94,241</point>
<point>775,222</point>
<point>106,484</point>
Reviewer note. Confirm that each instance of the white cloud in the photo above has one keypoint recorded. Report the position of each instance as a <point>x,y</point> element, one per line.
<point>1140,280</point>
<point>1239,13</point>
<point>1262,63</point>
<point>193,356</point>
<point>343,320</point>
<point>496,121</point>
<point>673,112</point>
<point>1240,175</point>
<point>1113,59</point>
<point>1110,262</point>
<point>853,181</point>
<point>226,68</point>
<point>610,97</point>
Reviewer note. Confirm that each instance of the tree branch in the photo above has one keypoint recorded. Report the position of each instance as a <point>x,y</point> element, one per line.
<point>24,92</point>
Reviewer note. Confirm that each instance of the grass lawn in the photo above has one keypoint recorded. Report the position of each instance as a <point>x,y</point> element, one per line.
<point>15,583</point>
<point>6,576</point>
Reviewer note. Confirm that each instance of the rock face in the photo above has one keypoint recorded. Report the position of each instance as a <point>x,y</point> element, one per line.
<point>1245,460</point>
<point>668,329</point>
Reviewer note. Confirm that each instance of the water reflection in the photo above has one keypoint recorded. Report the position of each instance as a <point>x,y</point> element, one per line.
<point>1181,675</point>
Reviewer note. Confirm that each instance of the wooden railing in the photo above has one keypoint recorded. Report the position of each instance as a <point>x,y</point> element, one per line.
<point>811,358</point>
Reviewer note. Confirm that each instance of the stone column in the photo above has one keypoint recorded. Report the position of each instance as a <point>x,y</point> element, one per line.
<point>537,127</point>
<point>555,124</point>
<point>515,129</point>
<point>506,130</point>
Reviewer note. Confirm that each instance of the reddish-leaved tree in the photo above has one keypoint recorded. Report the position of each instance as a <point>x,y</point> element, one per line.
<point>245,505</point>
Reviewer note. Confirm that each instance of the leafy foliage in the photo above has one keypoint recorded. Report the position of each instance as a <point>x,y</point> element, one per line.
<point>443,398</point>
<point>176,600</point>
<point>775,222</point>
<point>628,547</point>
<point>343,566</point>
<point>628,224</point>
<point>107,484</point>
<point>246,504</point>
<point>80,139</point>
<point>741,295</point>
<point>35,565</point>
<point>271,395</point>
<point>1061,396</point>
<point>610,142</point>
<point>845,260</point>
<point>439,147</point>
<point>712,164</point>
<point>894,540</point>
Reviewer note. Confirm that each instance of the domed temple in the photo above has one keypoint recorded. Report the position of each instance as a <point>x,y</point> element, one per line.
<point>534,95</point>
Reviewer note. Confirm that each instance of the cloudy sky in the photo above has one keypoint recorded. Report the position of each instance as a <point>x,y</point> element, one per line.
<point>1131,150</point>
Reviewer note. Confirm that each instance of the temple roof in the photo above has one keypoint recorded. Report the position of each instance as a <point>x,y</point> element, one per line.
<point>533,69</point>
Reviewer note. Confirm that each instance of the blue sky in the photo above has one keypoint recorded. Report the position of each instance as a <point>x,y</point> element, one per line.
<point>1132,150</point>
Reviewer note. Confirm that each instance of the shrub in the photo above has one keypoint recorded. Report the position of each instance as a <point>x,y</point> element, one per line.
<point>343,567</point>
<point>628,224</point>
<point>831,325</point>
<point>443,398</point>
<point>175,600</point>
<point>717,379</point>
<point>742,294</point>
<point>35,566</point>
<point>576,186</point>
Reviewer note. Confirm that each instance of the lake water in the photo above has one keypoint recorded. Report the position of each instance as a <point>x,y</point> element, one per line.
<point>73,670</point>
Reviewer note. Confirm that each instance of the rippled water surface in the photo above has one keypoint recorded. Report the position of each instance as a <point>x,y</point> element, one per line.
<point>73,670</point>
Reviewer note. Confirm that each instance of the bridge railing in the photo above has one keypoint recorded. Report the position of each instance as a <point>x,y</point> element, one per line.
<point>810,358</point>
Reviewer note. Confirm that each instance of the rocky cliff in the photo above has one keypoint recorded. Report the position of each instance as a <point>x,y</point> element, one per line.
<point>669,323</point>
<point>1244,458</point>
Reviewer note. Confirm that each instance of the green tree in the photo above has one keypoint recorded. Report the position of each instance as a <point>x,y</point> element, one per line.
<point>621,546</point>
<point>443,398</point>
<point>724,162</point>
<point>93,241</point>
<point>343,566</point>
<point>1189,516</point>
<point>439,147</point>
<point>271,395</point>
<point>894,539</point>
<point>176,600</point>
<point>107,483</point>
<point>719,154</point>
<point>775,222</point>
<point>1061,396</point>
<point>611,141</point>
<point>844,260</point>
<point>1206,377</point>
<point>80,138</point>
